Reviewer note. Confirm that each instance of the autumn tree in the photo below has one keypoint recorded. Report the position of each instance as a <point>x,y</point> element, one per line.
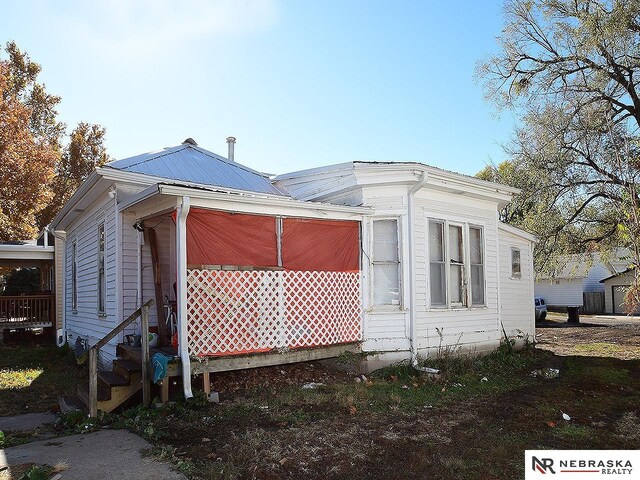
<point>29,146</point>
<point>571,69</point>
<point>40,167</point>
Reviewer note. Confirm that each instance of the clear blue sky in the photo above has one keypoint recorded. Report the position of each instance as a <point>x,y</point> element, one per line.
<point>299,83</point>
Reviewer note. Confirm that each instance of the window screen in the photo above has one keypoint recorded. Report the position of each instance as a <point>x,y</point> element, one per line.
<point>386,263</point>
<point>456,266</point>
<point>476,261</point>
<point>437,277</point>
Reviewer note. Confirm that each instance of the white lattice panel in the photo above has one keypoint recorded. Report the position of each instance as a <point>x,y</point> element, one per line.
<point>235,312</point>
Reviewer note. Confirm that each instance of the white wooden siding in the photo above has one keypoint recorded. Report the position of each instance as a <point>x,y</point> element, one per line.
<point>465,329</point>
<point>85,322</point>
<point>561,292</point>
<point>591,283</point>
<point>517,310</point>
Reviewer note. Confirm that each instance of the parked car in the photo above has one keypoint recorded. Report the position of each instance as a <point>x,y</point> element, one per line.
<point>541,309</point>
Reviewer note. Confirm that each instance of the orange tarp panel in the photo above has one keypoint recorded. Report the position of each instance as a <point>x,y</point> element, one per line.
<point>220,238</point>
<point>320,245</point>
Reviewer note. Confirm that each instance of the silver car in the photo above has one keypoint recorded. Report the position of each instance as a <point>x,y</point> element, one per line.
<point>541,309</point>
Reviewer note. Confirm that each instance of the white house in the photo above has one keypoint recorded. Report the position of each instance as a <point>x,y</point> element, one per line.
<point>399,260</point>
<point>577,275</point>
<point>440,271</point>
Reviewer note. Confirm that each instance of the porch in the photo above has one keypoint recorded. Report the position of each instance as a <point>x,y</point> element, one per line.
<point>253,281</point>
<point>20,310</point>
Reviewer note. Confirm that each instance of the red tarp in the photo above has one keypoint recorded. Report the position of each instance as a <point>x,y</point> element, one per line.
<point>327,245</point>
<point>220,238</point>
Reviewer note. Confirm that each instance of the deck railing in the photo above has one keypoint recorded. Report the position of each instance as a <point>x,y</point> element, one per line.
<point>239,312</point>
<point>27,309</point>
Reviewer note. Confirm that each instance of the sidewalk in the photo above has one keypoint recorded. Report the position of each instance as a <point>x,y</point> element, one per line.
<point>102,455</point>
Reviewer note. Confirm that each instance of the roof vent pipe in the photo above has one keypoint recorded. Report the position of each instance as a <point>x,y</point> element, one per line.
<point>231,141</point>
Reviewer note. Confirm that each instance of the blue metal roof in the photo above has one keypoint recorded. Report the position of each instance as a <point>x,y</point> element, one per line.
<point>190,163</point>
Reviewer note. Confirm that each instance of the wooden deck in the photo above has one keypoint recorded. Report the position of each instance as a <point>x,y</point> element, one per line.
<point>240,362</point>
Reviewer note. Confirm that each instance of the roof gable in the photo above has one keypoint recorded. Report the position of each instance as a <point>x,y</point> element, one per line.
<point>190,163</point>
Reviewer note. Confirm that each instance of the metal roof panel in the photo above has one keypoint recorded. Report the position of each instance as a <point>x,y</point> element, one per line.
<point>190,163</point>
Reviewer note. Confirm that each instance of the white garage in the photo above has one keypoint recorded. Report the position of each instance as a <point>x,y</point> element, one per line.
<point>615,288</point>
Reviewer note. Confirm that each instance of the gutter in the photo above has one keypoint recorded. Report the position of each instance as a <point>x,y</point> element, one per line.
<point>61,334</point>
<point>412,284</point>
<point>181,248</point>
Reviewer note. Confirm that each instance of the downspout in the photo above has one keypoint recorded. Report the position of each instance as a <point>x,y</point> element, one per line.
<point>181,267</point>
<point>61,336</point>
<point>412,284</point>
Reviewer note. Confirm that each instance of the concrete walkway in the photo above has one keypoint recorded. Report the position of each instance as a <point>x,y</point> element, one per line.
<point>27,421</point>
<point>102,455</point>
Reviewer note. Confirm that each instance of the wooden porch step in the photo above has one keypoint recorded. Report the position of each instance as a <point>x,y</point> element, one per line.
<point>104,394</point>
<point>127,368</point>
<point>111,379</point>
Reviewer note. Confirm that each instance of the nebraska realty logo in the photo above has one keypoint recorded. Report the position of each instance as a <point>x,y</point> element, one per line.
<point>563,464</point>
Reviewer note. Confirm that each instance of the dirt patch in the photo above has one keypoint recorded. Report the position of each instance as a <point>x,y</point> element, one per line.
<point>616,341</point>
<point>474,422</point>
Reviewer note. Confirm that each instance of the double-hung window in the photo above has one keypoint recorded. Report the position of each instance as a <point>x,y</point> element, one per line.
<point>476,261</point>
<point>456,260</point>
<point>102,281</point>
<point>74,276</point>
<point>437,275</point>
<point>385,263</point>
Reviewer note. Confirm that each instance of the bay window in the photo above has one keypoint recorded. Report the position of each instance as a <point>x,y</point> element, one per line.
<point>385,263</point>
<point>456,260</point>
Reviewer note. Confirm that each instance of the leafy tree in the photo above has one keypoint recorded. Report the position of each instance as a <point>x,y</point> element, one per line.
<point>28,148</point>
<point>22,281</point>
<point>39,168</point>
<point>572,68</point>
<point>85,152</point>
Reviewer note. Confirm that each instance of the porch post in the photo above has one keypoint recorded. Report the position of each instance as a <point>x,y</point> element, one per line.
<point>181,291</point>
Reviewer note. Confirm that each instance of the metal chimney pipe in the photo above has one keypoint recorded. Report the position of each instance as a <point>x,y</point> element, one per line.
<point>231,141</point>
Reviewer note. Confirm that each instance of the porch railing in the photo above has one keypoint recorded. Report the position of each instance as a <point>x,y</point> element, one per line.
<point>238,312</point>
<point>27,309</point>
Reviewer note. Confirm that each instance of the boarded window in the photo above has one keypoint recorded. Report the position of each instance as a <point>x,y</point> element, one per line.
<point>516,271</point>
<point>102,282</point>
<point>476,261</point>
<point>386,263</point>
<point>437,278</point>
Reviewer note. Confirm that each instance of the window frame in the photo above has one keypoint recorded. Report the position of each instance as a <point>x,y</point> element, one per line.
<point>373,262</point>
<point>518,275</point>
<point>74,276</point>
<point>443,225</point>
<point>101,276</point>
<point>466,253</point>
<point>483,247</point>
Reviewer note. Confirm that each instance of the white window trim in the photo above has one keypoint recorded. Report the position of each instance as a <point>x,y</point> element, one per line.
<point>483,243</point>
<point>74,277</point>
<point>101,291</point>
<point>516,276</point>
<point>449,306</point>
<point>385,308</point>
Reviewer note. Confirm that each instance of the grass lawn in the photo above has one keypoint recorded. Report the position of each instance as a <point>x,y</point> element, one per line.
<point>32,378</point>
<point>475,421</point>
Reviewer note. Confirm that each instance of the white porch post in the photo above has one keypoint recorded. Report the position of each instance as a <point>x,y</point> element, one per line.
<point>181,266</point>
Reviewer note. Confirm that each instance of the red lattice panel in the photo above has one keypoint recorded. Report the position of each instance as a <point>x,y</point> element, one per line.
<point>236,312</point>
